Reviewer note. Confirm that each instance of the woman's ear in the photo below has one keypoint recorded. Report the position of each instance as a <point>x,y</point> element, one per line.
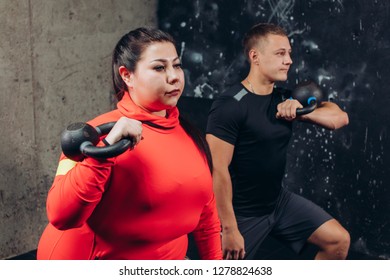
<point>126,75</point>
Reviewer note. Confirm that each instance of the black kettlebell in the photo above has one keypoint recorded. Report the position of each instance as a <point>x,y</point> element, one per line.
<point>79,140</point>
<point>309,94</point>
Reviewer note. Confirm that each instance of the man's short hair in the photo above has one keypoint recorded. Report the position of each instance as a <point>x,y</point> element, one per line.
<point>260,31</point>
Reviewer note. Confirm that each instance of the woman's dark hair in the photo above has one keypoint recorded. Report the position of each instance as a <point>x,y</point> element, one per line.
<point>199,139</point>
<point>128,52</point>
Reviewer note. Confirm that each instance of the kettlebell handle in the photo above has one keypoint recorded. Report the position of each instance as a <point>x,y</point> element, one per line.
<point>310,107</point>
<point>79,140</point>
<point>309,94</point>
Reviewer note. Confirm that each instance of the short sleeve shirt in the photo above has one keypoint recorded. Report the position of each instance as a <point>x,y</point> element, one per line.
<point>248,121</point>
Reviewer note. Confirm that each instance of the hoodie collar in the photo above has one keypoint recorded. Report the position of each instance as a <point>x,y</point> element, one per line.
<point>129,109</point>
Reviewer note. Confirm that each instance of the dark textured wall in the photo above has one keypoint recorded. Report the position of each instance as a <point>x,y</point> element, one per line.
<point>344,46</point>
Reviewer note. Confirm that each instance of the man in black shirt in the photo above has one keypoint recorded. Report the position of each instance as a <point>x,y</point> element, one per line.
<point>248,130</point>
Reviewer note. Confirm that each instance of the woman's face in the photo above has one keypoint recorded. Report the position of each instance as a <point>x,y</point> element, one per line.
<point>158,80</point>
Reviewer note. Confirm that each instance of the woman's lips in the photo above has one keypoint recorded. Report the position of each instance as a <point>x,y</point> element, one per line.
<point>173,92</point>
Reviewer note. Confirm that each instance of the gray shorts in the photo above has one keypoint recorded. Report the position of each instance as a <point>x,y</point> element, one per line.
<point>292,222</point>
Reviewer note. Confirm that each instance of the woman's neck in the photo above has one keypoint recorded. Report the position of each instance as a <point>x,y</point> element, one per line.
<point>162,113</point>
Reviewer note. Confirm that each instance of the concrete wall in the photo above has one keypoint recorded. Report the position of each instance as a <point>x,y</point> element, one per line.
<point>54,70</point>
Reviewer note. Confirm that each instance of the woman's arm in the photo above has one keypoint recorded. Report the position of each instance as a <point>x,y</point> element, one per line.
<point>78,186</point>
<point>207,234</point>
<point>76,190</point>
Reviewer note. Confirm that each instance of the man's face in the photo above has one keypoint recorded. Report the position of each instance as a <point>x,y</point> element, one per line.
<point>274,58</point>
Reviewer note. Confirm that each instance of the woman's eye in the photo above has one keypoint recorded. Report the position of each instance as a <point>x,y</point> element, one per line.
<point>159,68</point>
<point>178,65</point>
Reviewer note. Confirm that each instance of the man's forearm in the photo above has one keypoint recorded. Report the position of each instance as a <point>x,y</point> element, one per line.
<point>224,194</point>
<point>328,115</point>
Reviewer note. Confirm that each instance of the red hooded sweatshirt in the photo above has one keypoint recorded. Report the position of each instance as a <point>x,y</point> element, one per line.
<point>138,205</point>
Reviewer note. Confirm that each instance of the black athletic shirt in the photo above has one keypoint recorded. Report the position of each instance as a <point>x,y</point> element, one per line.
<point>248,122</point>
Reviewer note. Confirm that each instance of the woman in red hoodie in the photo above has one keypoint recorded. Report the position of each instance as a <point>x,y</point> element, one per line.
<point>143,203</point>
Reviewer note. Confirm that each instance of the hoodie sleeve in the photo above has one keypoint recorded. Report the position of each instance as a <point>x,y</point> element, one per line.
<point>76,190</point>
<point>207,234</point>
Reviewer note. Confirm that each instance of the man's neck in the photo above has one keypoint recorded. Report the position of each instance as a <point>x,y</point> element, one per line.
<point>258,85</point>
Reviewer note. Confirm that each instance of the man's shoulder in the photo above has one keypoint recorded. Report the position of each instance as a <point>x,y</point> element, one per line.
<point>238,91</point>
<point>235,92</point>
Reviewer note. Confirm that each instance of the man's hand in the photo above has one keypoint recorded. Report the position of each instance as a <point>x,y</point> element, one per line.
<point>288,109</point>
<point>232,245</point>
